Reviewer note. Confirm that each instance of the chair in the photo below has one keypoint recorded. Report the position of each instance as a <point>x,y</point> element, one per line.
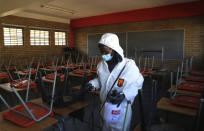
<point>28,112</point>
<point>78,114</point>
<point>64,94</point>
<point>59,99</point>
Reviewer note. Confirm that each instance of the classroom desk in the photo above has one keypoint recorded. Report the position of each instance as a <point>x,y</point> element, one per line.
<point>6,87</point>
<point>4,76</point>
<point>164,104</point>
<point>66,110</point>
<point>48,121</point>
<point>50,80</point>
<point>25,72</point>
<point>21,73</point>
<point>160,72</point>
<point>78,75</point>
<point>70,74</point>
<point>185,92</point>
<point>76,87</point>
<point>93,92</point>
<point>47,80</point>
<point>57,68</point>
<point>71,108</point>
<point>46,69</point>
<point>61,113</point>
<point>149,73</point>
<point>75,79</point>
<point>69,67</point>
<point>6,125</point>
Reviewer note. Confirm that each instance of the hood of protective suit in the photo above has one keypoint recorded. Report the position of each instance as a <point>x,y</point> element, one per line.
<point>111,40</point>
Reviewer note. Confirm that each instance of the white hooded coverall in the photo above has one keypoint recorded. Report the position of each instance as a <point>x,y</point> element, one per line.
<point>133,81</point>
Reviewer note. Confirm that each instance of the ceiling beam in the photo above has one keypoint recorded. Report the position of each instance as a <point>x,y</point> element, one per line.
<point>10,7</point>
<point>43,16</point>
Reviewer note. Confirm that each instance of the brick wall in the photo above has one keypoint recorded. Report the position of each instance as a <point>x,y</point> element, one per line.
<point>26,51</point>
<point>193,33</point>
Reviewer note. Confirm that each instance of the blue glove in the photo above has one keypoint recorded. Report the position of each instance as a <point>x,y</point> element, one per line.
<point>115,97</point>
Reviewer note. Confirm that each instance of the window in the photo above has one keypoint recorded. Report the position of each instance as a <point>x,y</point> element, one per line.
<point>13,36</point>
<point>39,37</point>
<point>60,38</point>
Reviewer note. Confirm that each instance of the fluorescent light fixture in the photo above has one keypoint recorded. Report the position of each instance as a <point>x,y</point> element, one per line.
<point>57,8</point>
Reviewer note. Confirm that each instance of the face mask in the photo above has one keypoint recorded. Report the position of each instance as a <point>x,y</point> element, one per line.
<point>107,57</point>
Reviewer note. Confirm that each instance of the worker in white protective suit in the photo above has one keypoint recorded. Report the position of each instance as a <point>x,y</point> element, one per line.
<point>125,88</point>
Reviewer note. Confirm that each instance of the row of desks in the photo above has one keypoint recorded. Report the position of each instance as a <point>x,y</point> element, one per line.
<point>162,104</point>
<point>45,123</point>
<point>165,105</point>
<point>60,112</point>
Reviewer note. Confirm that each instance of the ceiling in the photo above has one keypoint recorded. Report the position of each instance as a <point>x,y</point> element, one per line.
<point>64,10</point>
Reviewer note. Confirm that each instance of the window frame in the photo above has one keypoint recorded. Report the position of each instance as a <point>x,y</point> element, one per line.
<point>14,27</point>
<point>66,41</point>
<point>39,38</point>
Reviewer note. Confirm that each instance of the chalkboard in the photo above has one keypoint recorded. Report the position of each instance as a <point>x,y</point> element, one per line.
<point>93,40</point>
<point>93,44</point>
<point>172,42</point>
<point>150,42</point>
